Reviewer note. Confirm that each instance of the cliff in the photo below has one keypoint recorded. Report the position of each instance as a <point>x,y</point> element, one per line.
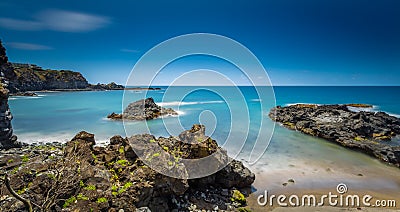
<point>7,139</point>
<point>35,78</point>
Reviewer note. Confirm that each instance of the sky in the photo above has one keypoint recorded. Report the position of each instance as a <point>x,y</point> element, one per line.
<point>306,42</point>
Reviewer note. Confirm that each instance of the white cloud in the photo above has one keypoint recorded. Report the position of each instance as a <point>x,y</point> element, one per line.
<point>28,46</point>
<point>66,21</point>
<point>130,50</point>
<point>20,24</point>
<point>58,20</point>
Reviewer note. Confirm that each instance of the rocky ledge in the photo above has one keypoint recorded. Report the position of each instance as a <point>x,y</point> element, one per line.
<point>109,86</point>
<point>144,109</point>
<point>80,176</point>
<point>24,94</point>
<point>368,132</point>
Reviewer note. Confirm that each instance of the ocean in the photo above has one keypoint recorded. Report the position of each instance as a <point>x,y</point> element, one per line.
<point>311,162</point>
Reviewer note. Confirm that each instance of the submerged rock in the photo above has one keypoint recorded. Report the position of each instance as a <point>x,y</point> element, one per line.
<point>144,109</point>
<point>368,132</point>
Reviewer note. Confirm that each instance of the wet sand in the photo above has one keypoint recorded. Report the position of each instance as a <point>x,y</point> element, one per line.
<point>300,164</point>
<point>381,181</point>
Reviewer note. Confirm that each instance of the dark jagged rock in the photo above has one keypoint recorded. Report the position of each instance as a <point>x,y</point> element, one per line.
<point>368,132</point>
<point>144,109</point>
<point>24,94</point>
<point>7,139</point>
<point>109,86</point>
<point>113,177</point>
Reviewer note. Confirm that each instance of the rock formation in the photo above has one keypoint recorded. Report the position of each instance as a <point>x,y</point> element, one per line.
<point>109,86</point>
<point>7,139</point>
<point>29,77</point>
<point>36,79</point>
<point>85,177</point>
<point>368,132</point>
<point>144,109</point>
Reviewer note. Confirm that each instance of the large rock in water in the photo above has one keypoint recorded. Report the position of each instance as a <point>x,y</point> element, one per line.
<point>144,109</point>
<point>7,139</point>
<point>368,132</point>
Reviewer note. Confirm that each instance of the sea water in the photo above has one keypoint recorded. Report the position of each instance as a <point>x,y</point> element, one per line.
<point>58,116</point>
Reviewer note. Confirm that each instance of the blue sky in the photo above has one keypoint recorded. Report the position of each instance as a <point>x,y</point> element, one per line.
<point>298,42</point>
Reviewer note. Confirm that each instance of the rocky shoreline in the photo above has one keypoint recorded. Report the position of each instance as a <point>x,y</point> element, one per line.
<point>144,109</point>
<point>369,132</point>
<point>80,175</point>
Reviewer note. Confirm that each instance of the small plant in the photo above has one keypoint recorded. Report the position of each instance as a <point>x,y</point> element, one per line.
<point>90,187</point>
<point>102,200</point>
<point>52,176</point>
<point>156,154</point>
<point>94,157</point>
<point>166,148</point>
<point>24,158</point>
<point>122,162</point>
<point>69,201</point>
<point>81,184</point>
<point>238,197</point>
<point>22,191</point>
<point>152,141</point>
<point>121,150</point>
<point>10,161</point>
<point>358,138</point>
<point>82,197</point>
<point>15,170</point>
<point>125,187</point>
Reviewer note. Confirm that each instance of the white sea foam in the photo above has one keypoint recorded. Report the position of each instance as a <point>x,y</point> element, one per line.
<point>163,104</point>
<point>374,108</point>
<point>25,97</point>
<point>180,112</point>
<point>300,103</point>
<point>44,138</point>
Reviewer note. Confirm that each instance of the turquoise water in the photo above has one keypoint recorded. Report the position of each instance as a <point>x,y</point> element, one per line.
<point>58,116</point>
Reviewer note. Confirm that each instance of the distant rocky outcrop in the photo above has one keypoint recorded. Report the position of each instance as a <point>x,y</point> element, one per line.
<point>144,109</point>
<point>7,139</point>
<point>109,86</point>
<point>368,132</point>
<point>85,177</point>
